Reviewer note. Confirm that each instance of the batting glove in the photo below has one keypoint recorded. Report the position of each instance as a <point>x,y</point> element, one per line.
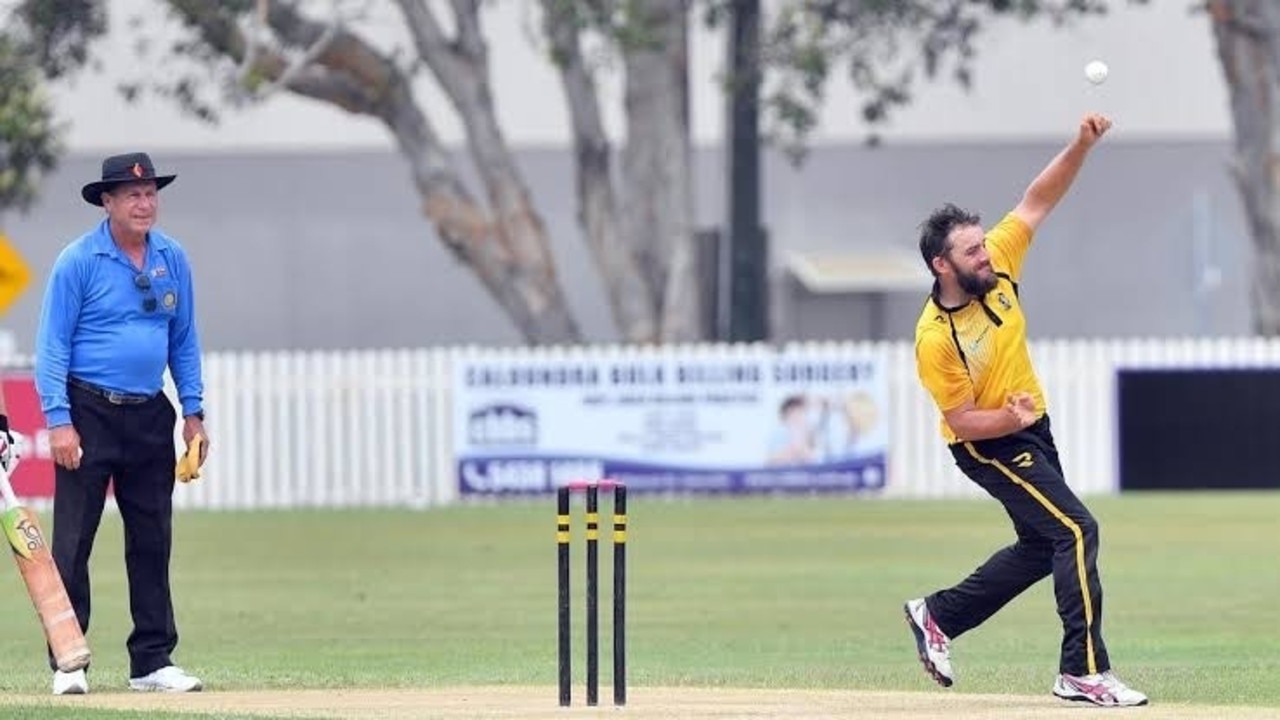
<point>8,449</point>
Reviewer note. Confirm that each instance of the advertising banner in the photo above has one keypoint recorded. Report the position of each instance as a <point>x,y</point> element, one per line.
<point>742,420</point>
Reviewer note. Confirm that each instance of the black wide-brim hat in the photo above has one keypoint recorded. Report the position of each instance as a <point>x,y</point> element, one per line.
<point>118,169</point>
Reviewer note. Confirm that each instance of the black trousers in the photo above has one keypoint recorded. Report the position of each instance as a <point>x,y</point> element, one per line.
<point>1056,535</point>
<point>133,446</point>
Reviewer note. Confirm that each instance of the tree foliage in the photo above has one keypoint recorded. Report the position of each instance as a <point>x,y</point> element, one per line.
<point>40,40</point>
<point>883,48</point>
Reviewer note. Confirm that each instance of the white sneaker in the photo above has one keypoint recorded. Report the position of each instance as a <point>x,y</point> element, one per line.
<point>933,646</point>
<point>70,683</point>
<point>169,678</point>
<point>1100,689</point>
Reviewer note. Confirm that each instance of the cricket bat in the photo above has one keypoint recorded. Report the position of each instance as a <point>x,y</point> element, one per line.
<point>44,584</point>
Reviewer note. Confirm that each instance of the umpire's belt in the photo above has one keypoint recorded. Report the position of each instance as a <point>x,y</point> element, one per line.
<point>111,396</point>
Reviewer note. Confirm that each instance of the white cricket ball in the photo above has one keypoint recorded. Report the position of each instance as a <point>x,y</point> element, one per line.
<point>1096,72</point>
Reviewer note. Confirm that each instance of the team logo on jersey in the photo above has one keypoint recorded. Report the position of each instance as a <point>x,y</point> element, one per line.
<point>1004,301</point>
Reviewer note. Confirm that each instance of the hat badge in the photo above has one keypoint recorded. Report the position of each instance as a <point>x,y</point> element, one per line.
<point>137,170</point>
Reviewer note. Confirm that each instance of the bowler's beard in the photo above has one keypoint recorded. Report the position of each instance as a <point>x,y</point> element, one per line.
<point>975,284</point>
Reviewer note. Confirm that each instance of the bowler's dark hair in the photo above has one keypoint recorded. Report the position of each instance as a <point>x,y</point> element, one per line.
<point>937,228</point>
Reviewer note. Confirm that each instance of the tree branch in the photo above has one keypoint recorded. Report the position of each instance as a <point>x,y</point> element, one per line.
<point>225,36</point>
<point>257,40</point>
<point>257,28</point>
<point>470,42</point>
<point>584,107</point>
<point>431,42</point>
<point>630,297</point>
<point>345,52</point>
<point>1223,13</point>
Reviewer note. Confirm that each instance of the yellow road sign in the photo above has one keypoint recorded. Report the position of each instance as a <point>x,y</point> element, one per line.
<point>14,274</point>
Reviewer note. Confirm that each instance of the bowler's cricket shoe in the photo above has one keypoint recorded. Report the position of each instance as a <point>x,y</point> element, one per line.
<point>70,683</point>
<point>932,644</point>
<point>169,678</point>
<point>1103,689</point>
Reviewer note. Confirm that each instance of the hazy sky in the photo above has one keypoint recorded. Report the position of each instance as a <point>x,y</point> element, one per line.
<point>1165,81</point>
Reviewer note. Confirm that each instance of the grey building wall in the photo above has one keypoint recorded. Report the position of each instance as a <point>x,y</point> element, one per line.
<point>329,250</point>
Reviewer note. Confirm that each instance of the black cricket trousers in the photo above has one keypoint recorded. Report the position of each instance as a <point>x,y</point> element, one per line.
<point>132,445</point>
<point>1056,534</point>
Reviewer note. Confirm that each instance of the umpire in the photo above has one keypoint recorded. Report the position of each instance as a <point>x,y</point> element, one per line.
<point>118,310</point>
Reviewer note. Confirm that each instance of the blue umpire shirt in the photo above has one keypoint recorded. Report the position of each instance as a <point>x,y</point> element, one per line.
<point>101,324</point>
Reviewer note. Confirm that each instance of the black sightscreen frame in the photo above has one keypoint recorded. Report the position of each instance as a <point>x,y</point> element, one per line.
<point>1194,429</point>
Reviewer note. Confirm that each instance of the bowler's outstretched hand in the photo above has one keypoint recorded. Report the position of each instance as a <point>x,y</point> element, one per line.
<point>1092,127</point>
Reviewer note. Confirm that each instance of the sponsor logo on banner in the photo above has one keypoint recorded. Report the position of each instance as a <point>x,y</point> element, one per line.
<point>733,421</point>
<point>502,425</point>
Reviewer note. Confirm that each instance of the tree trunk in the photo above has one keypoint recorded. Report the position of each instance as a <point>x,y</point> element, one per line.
<point>508,248</point>
<point>519,287</point>
<point>461,65</point>
<point>1248,39</point>
<point>657,164</point>
<point>630,297</point>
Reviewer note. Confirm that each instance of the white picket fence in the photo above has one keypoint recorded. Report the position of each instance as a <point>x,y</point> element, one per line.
<point>331,429</point>
<point>372,428</point>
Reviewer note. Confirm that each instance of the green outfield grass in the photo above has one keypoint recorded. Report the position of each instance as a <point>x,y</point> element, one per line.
<point>761,592</point>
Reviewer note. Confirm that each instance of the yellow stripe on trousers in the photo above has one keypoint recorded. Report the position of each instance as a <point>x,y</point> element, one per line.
<point>1081,573</point>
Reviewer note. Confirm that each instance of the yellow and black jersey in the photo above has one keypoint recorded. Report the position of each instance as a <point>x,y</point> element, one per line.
<point>979,351</point>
